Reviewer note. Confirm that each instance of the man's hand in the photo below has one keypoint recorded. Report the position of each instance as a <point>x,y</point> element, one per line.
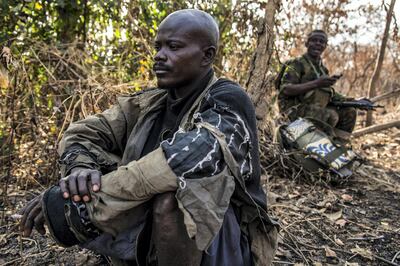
<point>76,184</point>
<point>32,216</point>
<point>326,81</point>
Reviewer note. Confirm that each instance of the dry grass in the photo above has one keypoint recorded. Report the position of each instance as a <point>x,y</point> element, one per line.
<point>319,220</point>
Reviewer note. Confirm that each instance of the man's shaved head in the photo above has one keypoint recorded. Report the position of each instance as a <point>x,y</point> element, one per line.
<point>198,21</point>
<point>186,45</point>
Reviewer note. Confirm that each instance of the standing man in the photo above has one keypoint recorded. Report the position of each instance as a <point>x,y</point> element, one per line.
<point>305,88</point>
<point>168,176</point>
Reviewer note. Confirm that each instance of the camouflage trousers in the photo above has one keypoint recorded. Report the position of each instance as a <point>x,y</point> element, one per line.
<point>341,118</point>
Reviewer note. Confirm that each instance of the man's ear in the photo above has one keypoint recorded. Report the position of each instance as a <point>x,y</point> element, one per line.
<point>209,53</point>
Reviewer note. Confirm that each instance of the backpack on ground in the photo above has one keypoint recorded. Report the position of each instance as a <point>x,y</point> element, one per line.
<point>315,149</point>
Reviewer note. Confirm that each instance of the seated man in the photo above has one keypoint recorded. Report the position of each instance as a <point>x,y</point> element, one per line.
<point>305,88</point>
<point>168,176</point>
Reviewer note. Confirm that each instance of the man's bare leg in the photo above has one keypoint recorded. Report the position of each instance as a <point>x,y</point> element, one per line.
<point>173,245</point>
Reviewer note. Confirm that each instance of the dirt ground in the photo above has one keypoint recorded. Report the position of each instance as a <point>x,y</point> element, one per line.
<point>353,223</point>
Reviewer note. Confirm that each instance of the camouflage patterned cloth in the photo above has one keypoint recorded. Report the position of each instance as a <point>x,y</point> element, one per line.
<point>314,103</point>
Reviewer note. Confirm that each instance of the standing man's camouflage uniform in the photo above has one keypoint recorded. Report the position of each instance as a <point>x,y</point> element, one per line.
<point>306,88</point>
<point>180,168</point>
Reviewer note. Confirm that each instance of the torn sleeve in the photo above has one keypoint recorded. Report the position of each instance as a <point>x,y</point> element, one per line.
<point>94,142</point>
<point>197,153</point>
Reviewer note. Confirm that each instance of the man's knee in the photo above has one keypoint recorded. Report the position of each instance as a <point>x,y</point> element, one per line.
<point>347,119</point>
<point>350,113</point>
<point>166,216</point>
<point>169,234</point>
<point>164,205</point>
<point>168,222</point>
<point>332,117</point>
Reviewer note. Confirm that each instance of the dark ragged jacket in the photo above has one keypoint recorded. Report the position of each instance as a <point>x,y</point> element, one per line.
<point>211,162</point>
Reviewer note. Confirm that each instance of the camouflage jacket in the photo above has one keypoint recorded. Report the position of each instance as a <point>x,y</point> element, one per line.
<point>301,70</point>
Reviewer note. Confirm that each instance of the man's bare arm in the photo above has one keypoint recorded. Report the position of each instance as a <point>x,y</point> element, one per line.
<point>299,89</point>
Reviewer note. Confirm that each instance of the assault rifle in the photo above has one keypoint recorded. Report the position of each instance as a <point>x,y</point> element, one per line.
<point>363,104</point>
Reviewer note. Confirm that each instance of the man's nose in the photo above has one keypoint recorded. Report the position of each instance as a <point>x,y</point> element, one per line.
<point>160,55</point>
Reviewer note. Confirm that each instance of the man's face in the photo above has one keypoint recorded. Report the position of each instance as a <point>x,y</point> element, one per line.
<point>179,55</point>
<point>316,45</point>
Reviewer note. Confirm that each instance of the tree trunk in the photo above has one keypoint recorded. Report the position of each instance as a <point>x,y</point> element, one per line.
<point>260,80</point>
<point>379,61</point>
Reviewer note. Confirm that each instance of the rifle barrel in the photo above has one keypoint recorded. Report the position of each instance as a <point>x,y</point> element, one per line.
<point>355,104</point>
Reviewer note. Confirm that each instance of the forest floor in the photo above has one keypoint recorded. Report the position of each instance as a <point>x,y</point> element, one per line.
<point>353,223</point>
